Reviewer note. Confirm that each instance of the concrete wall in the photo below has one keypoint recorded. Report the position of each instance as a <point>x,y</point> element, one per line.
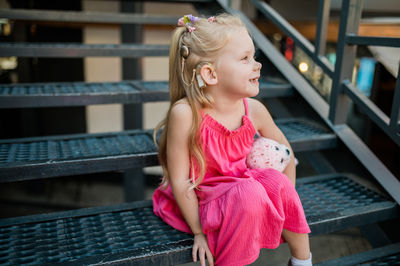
<point>102,118</point>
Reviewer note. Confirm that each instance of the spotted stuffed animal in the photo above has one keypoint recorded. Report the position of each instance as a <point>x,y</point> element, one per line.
<point>267,153</point>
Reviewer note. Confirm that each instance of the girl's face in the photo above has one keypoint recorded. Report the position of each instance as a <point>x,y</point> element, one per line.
<point>236,68</point>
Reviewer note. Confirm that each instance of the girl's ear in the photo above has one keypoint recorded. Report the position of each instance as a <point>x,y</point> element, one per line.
<point>208,74</point>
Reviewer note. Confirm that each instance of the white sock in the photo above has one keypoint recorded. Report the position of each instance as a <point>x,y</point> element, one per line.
<point>297,262</point>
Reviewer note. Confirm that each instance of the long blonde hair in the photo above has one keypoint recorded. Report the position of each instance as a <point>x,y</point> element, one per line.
<point>209,37</point>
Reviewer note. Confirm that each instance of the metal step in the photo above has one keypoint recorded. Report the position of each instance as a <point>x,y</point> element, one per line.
<point>388,255</point>
<point>131,233</point>
<point>86,17</point>
<point>42,157</point>
<point>64,50</point>
<point>83,93</point>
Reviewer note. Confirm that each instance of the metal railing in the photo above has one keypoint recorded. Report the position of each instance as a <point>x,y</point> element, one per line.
<point>348,40</point>
<point>346,47</point>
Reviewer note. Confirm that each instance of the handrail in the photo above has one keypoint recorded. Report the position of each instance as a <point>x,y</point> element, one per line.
<point>288,29</point>
<point>371,110</point>
<point>373,41</point>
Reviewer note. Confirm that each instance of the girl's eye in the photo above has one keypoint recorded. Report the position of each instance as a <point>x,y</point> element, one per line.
<point>247,58</point>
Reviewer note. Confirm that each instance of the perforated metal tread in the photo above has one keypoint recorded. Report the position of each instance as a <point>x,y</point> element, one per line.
<point>306,135</point>
<point>387,255</point>
<point>98,234</point>
<point>83,93</point>
<point>68,50</point>
<point>131,232</point>
<point>34,158</point>
<point>86,17</point>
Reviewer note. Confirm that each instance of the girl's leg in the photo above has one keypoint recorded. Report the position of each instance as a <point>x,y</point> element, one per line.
<point>299,244</point>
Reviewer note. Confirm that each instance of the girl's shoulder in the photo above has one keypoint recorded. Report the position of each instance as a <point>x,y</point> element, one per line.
<point>181,111</point>
<point>255,107</point>
<point>258,113</point>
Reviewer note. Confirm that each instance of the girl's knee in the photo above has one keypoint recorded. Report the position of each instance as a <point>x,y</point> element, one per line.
<point>252,199</point>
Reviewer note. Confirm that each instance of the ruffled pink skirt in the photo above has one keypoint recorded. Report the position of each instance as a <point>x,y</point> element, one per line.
<point>249,215</point>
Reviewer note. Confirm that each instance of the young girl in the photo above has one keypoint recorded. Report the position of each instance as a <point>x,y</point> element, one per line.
<point>207,189</point>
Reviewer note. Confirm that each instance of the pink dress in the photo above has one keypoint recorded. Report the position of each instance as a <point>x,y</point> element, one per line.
<point>241,210</point>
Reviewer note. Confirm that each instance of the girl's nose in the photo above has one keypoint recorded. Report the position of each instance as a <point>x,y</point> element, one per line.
<point>257,65</point>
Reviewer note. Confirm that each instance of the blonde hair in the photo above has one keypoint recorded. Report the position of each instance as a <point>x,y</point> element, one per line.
<point>203,44</point>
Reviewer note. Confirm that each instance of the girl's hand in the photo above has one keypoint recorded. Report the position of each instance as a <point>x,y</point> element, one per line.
<point>201,245</point>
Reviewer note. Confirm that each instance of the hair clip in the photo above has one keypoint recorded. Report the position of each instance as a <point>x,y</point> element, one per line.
<point>188,20</point>
<point>211,19</point>
<point>180,22</point>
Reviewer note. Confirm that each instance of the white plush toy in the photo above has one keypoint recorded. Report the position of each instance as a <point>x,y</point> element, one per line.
<point>267,153</point>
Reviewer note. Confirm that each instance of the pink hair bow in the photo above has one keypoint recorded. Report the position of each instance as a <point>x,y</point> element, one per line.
<point>180,22</point>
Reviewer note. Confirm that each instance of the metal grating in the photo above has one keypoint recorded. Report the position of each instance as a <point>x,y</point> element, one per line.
<point>296,129</point>
<point>66,88</point>
<point>95,88</point>
<point>152,85</point>
<point>305,135</point>
<point>82,234</point>
<point>71,239</point>
<point>42,157</point>
<point>130,142</point>
<point>335,195</point>
<point>76,148</point>
<point>26,95</point>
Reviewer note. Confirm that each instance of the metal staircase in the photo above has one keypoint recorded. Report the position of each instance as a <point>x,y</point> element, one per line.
<point>130,232</point>
<point>84,93</point>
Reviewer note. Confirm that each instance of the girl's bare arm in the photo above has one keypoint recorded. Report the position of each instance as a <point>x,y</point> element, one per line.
<point>179,166</point>
<point>266,126</point>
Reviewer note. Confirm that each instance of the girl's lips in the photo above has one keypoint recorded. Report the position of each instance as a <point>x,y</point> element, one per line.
<point>254,81</point>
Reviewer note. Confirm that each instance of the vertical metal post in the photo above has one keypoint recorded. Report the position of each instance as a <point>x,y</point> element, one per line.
<point>395,115</point>
<point>134,186</point>
<point>322,26</point>
<point>345,55</point>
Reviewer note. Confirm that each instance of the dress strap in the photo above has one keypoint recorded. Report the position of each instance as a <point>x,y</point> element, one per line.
<point>246,107</point>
